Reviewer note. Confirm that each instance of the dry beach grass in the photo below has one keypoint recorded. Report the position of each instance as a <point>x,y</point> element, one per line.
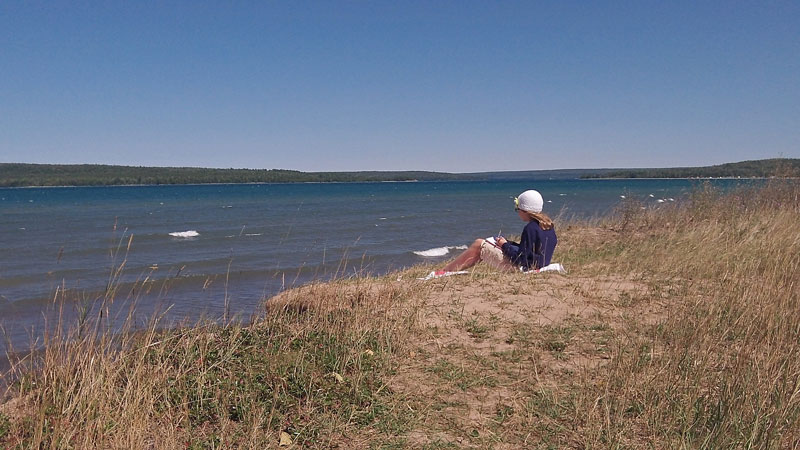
<point>676,327</point>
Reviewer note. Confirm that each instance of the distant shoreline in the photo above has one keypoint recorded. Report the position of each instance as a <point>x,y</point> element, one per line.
<point>681,178</point>
<point>375,182</point>
<point>14,175</point>
<point>218,184</point>
<point>382,181</point>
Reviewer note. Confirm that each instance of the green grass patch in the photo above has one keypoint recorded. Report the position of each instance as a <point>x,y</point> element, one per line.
<point>459,376</point>
<point>477,329</point>
<point>5,425</point>
<point>556,339</point>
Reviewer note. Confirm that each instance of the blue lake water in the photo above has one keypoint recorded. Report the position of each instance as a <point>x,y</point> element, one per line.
<point>254,240</point>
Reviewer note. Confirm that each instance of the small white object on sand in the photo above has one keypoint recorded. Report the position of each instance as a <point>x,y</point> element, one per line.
<point>441,273</point>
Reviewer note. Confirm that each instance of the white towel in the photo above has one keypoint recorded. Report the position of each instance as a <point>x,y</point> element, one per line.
<point>441,273</point>
<point>554,267</point>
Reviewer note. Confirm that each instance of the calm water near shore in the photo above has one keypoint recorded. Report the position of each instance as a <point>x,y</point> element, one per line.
<point>247,242</point>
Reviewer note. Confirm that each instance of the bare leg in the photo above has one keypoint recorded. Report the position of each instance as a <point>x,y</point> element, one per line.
<point>467,258</point>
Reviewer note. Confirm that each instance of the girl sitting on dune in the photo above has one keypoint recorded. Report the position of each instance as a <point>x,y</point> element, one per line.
<point>534,250</point>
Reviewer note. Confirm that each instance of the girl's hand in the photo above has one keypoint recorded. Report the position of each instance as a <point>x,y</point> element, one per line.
<point>500,240</point>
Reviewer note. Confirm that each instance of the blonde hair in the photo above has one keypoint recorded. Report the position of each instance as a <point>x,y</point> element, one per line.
<point>545,222</point>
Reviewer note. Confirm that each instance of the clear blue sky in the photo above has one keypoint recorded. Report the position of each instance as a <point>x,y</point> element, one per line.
<point>455,86</point>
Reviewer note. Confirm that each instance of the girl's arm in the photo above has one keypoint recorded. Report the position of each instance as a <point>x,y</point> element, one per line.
<point>515,252</point>
<point>526,257</point>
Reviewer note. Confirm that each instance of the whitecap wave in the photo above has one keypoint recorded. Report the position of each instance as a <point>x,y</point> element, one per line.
<point>185,234</point>
<point>438,251</point>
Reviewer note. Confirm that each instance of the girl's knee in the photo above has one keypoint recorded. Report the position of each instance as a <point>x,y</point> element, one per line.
<point>477,243</point>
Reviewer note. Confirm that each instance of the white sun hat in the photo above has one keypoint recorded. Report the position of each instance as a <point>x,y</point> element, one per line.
<point>530,201</point>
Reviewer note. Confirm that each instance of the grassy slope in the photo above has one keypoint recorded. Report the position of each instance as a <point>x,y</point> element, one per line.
<point>675,327</point>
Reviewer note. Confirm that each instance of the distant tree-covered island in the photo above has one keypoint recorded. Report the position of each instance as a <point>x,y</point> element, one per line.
<point>19,175</point>
<point>761,168</point>
<point>24,175</point>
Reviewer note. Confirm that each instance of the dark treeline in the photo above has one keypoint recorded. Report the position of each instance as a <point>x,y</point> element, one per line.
<point>744,169</point>
<point>17,175</point>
